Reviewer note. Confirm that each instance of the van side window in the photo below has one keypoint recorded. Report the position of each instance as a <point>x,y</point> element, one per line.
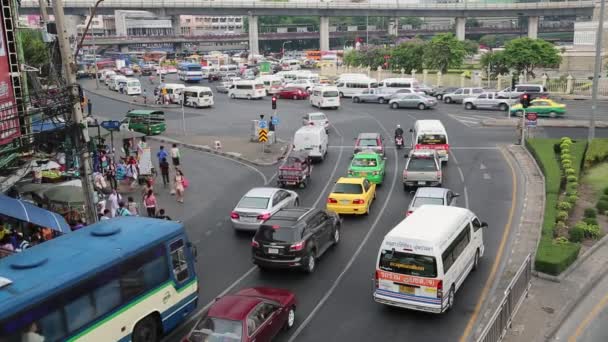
<point>476,224</point>
<point>451,254</point>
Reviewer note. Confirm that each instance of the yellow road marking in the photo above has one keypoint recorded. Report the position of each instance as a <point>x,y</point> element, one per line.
<point>594,312</point>
<point>501,247</point>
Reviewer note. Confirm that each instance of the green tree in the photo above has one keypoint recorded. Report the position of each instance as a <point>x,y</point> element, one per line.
<point>471,47</point>
<point>525,54</point>
<point>472,22</point>
<point>444,51</point>
<point>489,40</point>
<point>496,62</point>
<point>34,49</point>
<point>407,56</point>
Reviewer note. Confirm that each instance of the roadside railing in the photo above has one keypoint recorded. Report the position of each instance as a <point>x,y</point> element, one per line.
<point>515,294</point>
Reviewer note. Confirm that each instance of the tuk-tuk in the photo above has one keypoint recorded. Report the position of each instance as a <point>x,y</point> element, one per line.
<point>148,122</point>
<point>295,170</point>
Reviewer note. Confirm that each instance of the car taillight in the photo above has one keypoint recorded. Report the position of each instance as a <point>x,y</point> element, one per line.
<point>438,175</point>
<point>408,213</point>
<point>297,246</point>
<point>440,289</point>
<point>376,282</point>
<point>332,200</point>
<point>358,201</point>
<point>264,217</point>
<point>234,215</point>
<point>255,244</point>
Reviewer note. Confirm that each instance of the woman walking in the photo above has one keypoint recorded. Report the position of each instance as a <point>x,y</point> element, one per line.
<point>179,183</point>
<point>111,174</point>
<point>175,155</point>
<point>150,203</point>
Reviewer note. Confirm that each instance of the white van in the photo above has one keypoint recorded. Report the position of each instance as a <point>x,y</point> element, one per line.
<point>115,80</point>
<point>344,77</point>
<point>272,83</point>
<point>197,96</point>
<point>174,91</point>
<point>133,86</point>
<point>424,260</point>
<point>325,97</point>
<point>355,86</point>
<point>312,139</point>
<point>247,90</point>
<point>106,74</point>
<point>431,134</point>
<point>207,70</point>
<point>290,64</point>
<point>410,83</point>
<point>229,68</point>
<point>287,75</point>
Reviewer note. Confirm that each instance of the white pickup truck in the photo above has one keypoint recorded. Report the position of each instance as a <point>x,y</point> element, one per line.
<point>489,101</point>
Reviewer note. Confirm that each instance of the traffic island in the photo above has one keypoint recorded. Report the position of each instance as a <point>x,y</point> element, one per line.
<point>238,148</point>
<point>136,100</point>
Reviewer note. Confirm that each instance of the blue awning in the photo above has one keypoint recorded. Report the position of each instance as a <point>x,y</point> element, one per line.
<point>27,212</point>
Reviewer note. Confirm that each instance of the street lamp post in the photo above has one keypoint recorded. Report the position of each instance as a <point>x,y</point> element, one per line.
<point>283,47</point>
<point>596,70</point>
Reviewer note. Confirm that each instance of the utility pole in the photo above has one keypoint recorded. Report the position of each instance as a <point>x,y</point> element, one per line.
<point>596,70</point>
<point>94,54</point>
<point>44,16</point>
<point>81,133</point>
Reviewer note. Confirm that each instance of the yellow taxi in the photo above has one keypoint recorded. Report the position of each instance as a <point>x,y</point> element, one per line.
<point>351,196</point>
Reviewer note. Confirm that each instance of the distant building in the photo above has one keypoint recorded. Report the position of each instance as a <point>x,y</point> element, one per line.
<point>193,25</point>
<point>141,23</point>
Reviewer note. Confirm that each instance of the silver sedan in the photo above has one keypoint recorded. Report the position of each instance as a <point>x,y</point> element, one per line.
<point>413,101</point>
<point>433,196</point>
<point>258,205</point>
<point>378,95</point>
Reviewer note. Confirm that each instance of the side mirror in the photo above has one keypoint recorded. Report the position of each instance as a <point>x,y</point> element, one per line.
<point>484,225</point>
<point>411,130</point>
<point>455,195</point>
<point>412,192</point>
<point>384,158</point>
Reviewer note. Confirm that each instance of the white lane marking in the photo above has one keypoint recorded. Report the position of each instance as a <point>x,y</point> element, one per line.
<point>451,147</point>
<point>461,174</point>
<point>354,256</point>
<point>487,176</point>
<point>271,178</point>
<point>466,192</point>
<point>466,197</point>
<point>333,172</point>
<point>482,167</point>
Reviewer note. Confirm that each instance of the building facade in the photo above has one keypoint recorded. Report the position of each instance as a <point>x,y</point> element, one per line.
<point>141,23</point>
<point>193,25</point>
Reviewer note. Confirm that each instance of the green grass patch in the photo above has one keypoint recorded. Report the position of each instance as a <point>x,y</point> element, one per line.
<point>577,150</point>
<point>543,152</point>
<point>554,257</point>
<point>597,177</point>
<point>597,152</point>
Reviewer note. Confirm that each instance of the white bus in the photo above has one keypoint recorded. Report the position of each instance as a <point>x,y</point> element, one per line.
<point>355,86</point>
<point>247,90</point>
<point>197,97</point>
<point>190,72</point>
<point>410,83</point>
<point>325,97</point>
<point>431,134</point>
<point>424,260</point>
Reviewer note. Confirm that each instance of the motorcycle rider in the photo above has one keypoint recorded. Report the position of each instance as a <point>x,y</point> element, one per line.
<point>398,131</point>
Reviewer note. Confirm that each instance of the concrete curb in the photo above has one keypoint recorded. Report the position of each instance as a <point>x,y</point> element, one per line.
<point>207,149</point>
<point>544,123</point>
<point>572,302</point>
<point>98,93</point>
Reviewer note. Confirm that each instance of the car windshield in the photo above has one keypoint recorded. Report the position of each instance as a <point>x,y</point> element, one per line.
<point>317,117</point>
<point>346,188</point>
<point>215,329</point>
<point>368,142</point>
<point>253,202</point>
<point>418,201</point>
<point>275,233</point>
<point>330,93</point>
<point>365,162</point>
<point>432,139</point>
<point>422,165</point>
<point>408,263</point>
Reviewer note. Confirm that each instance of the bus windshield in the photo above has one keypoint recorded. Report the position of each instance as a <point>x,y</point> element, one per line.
<point>408,263</point>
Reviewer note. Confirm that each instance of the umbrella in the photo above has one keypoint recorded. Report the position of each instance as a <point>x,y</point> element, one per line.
<point>66,194</point>
<point>28,212</point>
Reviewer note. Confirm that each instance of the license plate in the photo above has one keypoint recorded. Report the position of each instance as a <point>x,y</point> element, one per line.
<point>407,289</point>
<point>291,183</point>
<point>421,183</point>
<point>362,173</point>
<point>345,201</point>
<point>249,219</point>
<point>273,251</point>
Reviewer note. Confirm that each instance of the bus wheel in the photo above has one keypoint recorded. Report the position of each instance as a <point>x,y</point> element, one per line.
<point>146,330</point>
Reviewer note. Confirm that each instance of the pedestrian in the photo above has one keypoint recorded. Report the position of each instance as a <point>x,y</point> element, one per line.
<point>132,206</point>
<point>161,154</point>
<point>106,215</point>
<point>148,186</point>
<point>111,174</point>
<point>520,131</point>
<point>90,107</point>
<point>141,145</point>
<point>122,211</point>
<point>164,170</point>
<point>162,216</point>
<point>145,96</point>
<point>175,155</point>
<point>180,184</point>
<point>150,203</point>
<point>132,173</point>
<point>113,201</point>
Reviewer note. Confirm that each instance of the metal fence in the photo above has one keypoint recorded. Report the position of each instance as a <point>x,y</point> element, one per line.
<point>515,294</point>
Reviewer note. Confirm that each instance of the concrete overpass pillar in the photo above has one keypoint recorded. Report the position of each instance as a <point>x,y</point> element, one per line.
<point>460,27</point>
<point>176,24</point>
<point>324,31</point>
<point>254,43</point>
<point>393,26</point>
<point>533,27</point>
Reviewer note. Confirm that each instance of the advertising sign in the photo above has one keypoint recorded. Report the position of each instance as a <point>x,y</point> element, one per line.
<point>531,119</point>
<point>9,119</point>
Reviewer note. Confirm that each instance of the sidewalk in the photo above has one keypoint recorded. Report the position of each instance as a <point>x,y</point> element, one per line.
<point>103,91</point>
<point>231,147</point>
<point>512,122</point>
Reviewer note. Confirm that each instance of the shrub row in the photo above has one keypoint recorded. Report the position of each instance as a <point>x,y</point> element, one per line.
<point>597,152</point>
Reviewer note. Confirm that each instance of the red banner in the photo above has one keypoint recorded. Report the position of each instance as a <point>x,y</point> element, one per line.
<point>407,279</point>
<point>9,119</point>
<point>433,147</point>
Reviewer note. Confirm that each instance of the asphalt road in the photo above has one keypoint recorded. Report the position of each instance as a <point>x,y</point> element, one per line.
<point>335,301</point>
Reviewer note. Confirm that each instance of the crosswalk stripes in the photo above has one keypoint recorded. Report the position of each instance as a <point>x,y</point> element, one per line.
<point>469,120</point>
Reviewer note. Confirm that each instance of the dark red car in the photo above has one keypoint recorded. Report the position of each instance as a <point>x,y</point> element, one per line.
<point>293,93</point>
<point>253,314</point>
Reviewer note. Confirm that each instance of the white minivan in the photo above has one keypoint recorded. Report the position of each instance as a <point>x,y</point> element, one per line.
<point>197,97</point>
<point>355,86</point>
<point>325,97</point>
<point>174,91</point>
<point>431,134</point>
<point>247,90</point>
<point>422,269</point>
<point>312,139</point>
<point>410,83</point>
<point>133,86</point>
<point>115,81</point>
<point>272,83</point>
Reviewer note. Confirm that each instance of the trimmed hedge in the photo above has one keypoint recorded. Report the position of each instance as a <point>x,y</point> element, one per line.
<point>553,258</point>
<point>597,152</point>
<point>542,150</point>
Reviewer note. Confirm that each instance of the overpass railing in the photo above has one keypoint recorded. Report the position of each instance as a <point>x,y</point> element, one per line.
<point>327,4</point>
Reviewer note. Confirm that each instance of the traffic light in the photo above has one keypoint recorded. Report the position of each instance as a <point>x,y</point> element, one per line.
<point>274,102</point>
<point>525,100</point>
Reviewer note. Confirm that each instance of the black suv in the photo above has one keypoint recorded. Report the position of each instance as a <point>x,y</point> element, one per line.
<point>295,238</point>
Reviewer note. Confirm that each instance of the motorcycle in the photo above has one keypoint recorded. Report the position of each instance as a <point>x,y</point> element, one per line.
<point>399,142</point>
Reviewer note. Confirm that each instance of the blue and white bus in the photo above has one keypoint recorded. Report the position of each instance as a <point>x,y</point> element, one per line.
<point>190,72</point>
<point>124,279</point>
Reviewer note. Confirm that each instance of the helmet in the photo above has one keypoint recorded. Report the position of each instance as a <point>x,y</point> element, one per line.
<point>398,126</point>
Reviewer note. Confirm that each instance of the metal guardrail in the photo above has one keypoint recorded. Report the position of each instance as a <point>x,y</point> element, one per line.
<point>515,294</point>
